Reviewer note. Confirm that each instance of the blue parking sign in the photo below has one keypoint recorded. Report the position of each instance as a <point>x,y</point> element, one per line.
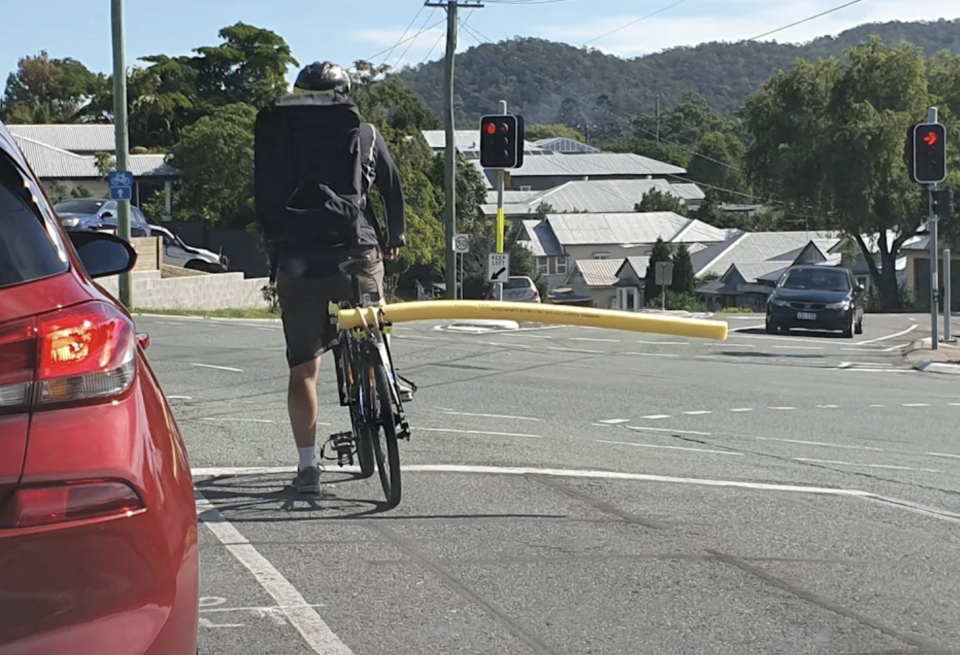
<point>121,185</point>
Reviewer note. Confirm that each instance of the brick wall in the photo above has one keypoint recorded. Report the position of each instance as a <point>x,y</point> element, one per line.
<point>149,253</point>
<point>200,292</point>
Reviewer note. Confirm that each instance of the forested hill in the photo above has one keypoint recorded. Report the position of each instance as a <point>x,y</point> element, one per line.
<point>535,76</point>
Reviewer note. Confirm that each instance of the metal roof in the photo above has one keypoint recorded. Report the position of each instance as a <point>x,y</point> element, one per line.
<point>71,137</point>
<point>465,140</point>
<point>688,190</point>
<point>594,196</point>
<point>755,247</point>
<point>51,163</point>
<point>565,145</point>
<point>597,165</point>
<point>630,228</point>
<point>541,240</point>
<point>599,272</point>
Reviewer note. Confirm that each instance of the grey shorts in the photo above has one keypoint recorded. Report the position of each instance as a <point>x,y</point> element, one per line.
<point>304,307</point>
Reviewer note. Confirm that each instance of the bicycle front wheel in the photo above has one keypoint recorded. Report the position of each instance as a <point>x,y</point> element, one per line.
<point>383,429</point>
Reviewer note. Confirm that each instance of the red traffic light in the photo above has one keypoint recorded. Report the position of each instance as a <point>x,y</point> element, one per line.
<point>491,128</point>
<point>931,139</point>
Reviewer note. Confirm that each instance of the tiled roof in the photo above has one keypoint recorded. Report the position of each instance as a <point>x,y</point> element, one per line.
<point>71,137</point>
<point>599,272</point>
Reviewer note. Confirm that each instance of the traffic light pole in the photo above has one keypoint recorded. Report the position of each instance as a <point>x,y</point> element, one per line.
<point>947,297</point>
<point>122,139</point>
<point>501,218</point>
<point>934,252</point>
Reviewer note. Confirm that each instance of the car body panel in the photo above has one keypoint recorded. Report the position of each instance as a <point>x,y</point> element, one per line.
<point>127,584</point>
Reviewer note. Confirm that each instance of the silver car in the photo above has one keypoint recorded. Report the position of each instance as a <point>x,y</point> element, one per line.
<point>519,288</point>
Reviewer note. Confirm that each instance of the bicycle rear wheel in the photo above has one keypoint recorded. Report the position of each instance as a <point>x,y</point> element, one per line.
<point>383,428</point>
<point>362,438</point>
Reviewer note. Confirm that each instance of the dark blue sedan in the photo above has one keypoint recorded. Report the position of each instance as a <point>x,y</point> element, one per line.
<point>816,298</point>
<point>98,214</point>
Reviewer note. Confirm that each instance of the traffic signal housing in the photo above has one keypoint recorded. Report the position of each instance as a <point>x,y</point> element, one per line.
<point>928,153</point>
<point>501,141</point>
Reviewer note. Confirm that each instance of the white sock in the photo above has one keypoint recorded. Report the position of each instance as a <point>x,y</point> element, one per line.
<point>308,457</point>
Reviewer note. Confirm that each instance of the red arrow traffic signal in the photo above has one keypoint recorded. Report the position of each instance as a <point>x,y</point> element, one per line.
<point>930,139</point>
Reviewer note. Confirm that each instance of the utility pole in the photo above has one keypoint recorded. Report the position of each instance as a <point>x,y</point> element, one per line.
<point>934,253</point>
<point>122,138</point>
<point>450,143</point>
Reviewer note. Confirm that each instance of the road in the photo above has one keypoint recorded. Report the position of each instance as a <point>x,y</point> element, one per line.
<point>571,490</point>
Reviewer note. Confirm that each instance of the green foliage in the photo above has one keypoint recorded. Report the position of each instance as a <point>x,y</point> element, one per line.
<point>655,200</point>
<point>552,131</point>
<point>659,253</point>
<point>45,90</point>
<point>483,240</point>
<point>215,156</point>
<point>684,278</point>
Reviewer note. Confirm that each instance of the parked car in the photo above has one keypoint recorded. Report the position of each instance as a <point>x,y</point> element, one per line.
<point>518,288</point>
<point>177,253</point>
<point>98,526</point>
<point>99,215</point>
<point>816,298</point>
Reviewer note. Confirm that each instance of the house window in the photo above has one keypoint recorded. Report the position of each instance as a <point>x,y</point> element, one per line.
<point>561,265</point>
<point>542,265</point>
<point>526,187</point>
<point>601,255</point>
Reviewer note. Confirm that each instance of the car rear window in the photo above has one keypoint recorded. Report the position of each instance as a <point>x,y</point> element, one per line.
<point>518,283</point>
<point>79,206</point>
<point>26,251</point>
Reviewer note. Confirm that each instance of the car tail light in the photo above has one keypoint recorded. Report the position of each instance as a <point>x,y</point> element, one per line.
<point>536,295</point>
<point>36,506</point>
<point>72,355</point>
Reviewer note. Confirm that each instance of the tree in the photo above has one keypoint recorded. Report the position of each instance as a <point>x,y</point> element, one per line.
<point>215,157</point>
<point>717,165</point>
<point>659,253</point>
<point>684,278</point>
<point>829,140</point>
<point>655,200</point>
<point>552,131</point>
<point>45,90</point>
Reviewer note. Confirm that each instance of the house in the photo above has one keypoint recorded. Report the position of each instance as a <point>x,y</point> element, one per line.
<point>565,146</point>
<point>64,158</point>
<point>540,173</point>
<point>749,264</point>
<point>558,241</point>
<point>915,254</point>
<point>589,196</point>
<point>591,282</point>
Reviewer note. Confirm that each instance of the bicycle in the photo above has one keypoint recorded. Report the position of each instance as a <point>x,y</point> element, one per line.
<point>370,390</point>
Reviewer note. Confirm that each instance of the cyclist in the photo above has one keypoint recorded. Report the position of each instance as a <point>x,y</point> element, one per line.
<point>307,269</point>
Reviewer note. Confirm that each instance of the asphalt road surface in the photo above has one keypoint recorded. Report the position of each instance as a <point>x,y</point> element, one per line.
<point>572,490</point>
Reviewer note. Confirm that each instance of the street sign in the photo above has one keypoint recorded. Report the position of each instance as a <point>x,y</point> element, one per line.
<point>498,267</point>
<point>461,244</point>
<point>663,274</point>
<point>121,185</point>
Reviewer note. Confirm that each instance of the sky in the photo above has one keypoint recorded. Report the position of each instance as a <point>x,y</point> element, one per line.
<point>348,30</point>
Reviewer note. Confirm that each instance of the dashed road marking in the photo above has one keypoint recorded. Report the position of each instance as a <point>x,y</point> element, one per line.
<point>660,447</point>
<point>479,432</point>
<point>505,416</point>
<point>668,355</point>
<point>576,350</point>
<point>656,417</point>
<point>742,409</point>
<point>916,404</point>
<point>828,406</point>
<point>801,442</point>
<point>592,339</point>
<point>219,368</point>
<point>640,428</point>
<point>614,421</point>
<point>664,343</point>
<point>781,408</point>
<point>698,412</point>
<point>869,466</point>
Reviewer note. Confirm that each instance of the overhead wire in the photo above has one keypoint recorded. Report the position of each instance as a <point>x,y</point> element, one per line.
<point>390,52</point>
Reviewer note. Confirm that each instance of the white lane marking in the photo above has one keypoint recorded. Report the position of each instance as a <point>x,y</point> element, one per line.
<point>525,336</point>
<point>761,326</point>
<point>878,405</point>
<point>668,355</point>
<point>263,329</point>
<point>947,455</point>
<point>505,345</point>
<point>559,473</point>
<point>179,397</point>
<point>304,618</point>
<point>614,421</point>
<point>732,345</point>
<point>798,347</point>
<point>698,412</point>
<point>954,404</point>
<point>828,406</point>
<point>219,368</point>
<point>844,364</point>
<point>782,408</point>
<point>889,336</point>
<point>480,432</point>
<point>742,409</point>
<point>230,419</point>
<point>664,343</point>
<point>576,350</point>
<point>869,466</point>
<point>640,428</point>
<point>916,404</point>
<point>650,445</point>
<point>591,339</point>
<point>506,416</point>
<point>654,417</point>
<point>171,323</point>
<point>207,623</point>
<point>821,443</point>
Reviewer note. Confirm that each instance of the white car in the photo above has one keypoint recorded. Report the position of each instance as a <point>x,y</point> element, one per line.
<point>177,253</point>
<point>519,288</point>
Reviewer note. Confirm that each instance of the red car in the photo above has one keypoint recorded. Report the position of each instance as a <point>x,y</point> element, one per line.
<point>98,526</point>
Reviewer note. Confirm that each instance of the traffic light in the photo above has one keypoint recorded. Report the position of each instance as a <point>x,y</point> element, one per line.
<point>501,141</point>
<point>942,204</point>
<point>928,158</point>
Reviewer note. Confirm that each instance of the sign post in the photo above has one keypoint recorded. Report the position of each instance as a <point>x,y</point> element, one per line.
<point>498,268</point>
<point>663,277</point>
<point>461,246</point>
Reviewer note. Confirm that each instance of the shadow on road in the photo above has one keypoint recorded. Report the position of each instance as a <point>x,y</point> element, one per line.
<point>799,333</point>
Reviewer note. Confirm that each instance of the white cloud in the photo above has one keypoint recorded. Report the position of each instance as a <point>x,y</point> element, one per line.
<point>412,51</point>
<point>735,20</point>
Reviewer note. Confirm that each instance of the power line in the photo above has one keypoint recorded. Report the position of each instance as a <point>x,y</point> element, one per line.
<point>805,20</point>
<point>633,22</point>
<point>387,56</point>
<point>423,28</point>
<point>409,38</point>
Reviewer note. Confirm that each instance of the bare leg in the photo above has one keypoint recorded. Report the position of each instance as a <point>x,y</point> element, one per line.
<point>302,403</point>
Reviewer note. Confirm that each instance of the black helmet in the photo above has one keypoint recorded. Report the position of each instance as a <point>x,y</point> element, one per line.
<point>323,76</point>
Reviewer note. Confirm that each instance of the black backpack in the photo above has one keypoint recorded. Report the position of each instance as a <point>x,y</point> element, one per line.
<point>308,172</point>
